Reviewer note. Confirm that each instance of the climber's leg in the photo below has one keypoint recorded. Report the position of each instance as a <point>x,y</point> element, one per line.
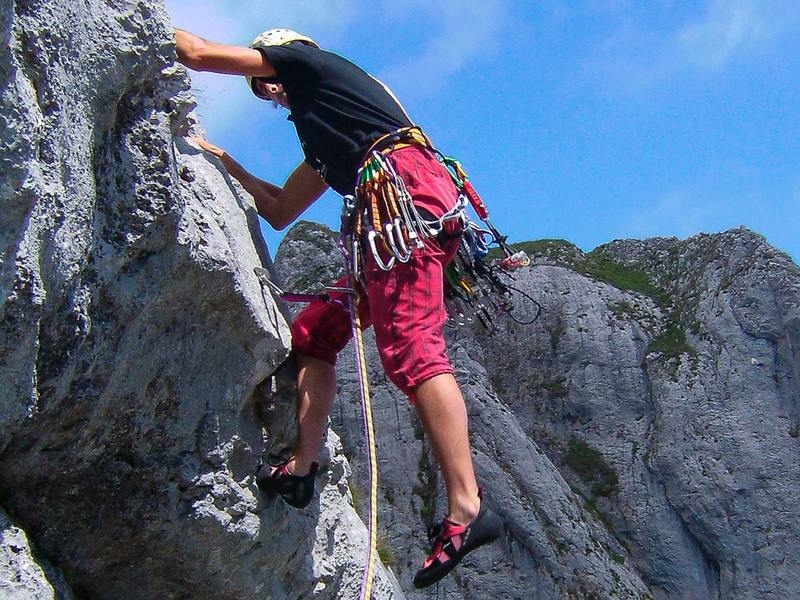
<point>470,523</point>
<point>318,335</point>
<point>316,389</point>
<point>441,409</point>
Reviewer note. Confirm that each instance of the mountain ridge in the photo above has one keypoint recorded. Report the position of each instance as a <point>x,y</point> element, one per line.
<point>602,385</point>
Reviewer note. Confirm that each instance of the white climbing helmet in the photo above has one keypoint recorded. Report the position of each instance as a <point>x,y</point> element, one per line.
<point>278,37</point>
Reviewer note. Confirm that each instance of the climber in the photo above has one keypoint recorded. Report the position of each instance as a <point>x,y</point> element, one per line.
<point>343,116</point>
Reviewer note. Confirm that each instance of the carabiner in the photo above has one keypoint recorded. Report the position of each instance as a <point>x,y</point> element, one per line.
<point>356,259</point>
<point>411,224</point>
<point>401,241</point>
<point>388,229</point>
<point>371,235</point>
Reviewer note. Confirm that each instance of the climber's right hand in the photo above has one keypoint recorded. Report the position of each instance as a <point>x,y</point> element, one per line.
<point>206,145</point>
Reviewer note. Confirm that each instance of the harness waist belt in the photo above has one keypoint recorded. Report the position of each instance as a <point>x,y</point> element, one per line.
<point>402,138</point>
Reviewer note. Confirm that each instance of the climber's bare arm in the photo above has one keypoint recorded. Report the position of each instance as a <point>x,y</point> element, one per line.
<point>301,189</point>
<point>201,55</point>
<point>279,206</point>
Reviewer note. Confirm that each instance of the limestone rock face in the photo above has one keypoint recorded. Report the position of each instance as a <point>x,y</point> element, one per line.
<point>725,433</point>
<point>310,255</point>
<point>22,576</point>
<point>640,438</point>
<point>136,342</point>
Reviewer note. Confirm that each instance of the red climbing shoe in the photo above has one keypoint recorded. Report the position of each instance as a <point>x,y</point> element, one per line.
<point>296,490</point>
<point>450,542</point>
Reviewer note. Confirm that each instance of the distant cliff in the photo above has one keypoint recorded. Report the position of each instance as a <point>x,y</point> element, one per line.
<point>640,438</point>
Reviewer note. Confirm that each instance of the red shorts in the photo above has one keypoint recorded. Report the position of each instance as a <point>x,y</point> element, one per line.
<point>406,304</point>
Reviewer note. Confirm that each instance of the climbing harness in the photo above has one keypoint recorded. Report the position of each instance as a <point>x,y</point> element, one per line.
<point>386,216</point>
<point>393,228</point>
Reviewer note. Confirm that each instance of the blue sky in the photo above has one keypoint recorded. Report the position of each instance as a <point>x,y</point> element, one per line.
<point>587,120</point>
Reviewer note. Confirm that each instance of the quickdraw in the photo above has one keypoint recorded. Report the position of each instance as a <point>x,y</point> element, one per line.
<point>263,277</point>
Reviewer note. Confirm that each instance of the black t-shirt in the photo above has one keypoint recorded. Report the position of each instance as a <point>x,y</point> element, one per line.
<point>338,109</point>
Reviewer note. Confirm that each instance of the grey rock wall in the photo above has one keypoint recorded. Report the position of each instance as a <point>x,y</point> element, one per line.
<point>136,342</point>
<point>554,548</point>
<point>725,435</point>
<point>22,575</point>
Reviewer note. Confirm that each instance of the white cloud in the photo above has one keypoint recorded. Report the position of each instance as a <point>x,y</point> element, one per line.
<point>224,102</point>
<point>732,27</point>
<point>206,18</point>
<point>633,58</point>
<point>468,29</point>
<point>241,20</point>
<point>742,195</point>
<point>464,30</point>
